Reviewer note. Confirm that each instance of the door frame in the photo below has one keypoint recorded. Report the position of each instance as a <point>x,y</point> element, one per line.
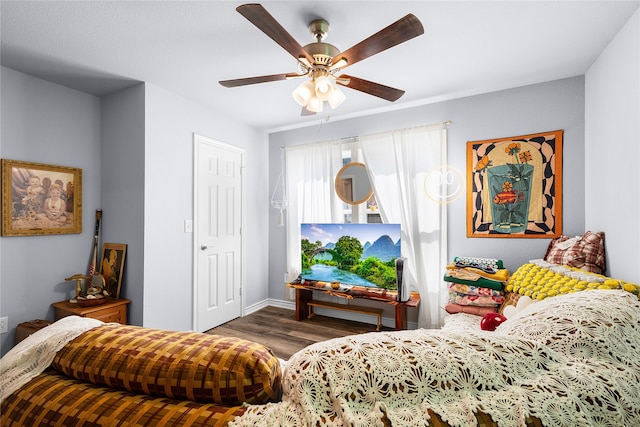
<point>197,140</point>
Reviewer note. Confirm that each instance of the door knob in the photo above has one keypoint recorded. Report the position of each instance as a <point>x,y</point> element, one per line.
<point>204,247</point>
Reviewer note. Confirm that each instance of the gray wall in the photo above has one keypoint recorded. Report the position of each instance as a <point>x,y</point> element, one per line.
<point>123,166</point>
<point>47,123</point>
<point>613,150</point>
<point>537,108</point>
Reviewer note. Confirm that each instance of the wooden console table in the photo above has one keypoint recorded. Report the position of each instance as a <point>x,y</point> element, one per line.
<point>304,295</point>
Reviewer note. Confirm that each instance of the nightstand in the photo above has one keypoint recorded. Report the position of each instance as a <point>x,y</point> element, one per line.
<point>24,329</point>
<point>115,310</point>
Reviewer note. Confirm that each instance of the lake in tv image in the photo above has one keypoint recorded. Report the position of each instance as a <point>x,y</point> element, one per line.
<point>352,254</point>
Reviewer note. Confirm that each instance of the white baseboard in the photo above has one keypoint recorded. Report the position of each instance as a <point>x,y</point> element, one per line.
<point>354,317</point>
<point>270,302</point>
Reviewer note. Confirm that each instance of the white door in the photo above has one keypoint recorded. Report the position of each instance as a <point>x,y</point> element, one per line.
<point>217,233</point>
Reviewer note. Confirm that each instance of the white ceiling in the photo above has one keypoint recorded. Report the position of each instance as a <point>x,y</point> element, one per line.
<point>186,47</point>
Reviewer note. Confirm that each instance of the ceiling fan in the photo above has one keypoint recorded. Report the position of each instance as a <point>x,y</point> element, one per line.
<point>323,63</point>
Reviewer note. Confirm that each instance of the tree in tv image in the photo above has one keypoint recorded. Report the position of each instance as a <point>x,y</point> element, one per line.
<point>353,254</point>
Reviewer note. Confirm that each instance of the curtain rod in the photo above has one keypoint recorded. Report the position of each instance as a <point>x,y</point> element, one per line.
<point>348,139</point>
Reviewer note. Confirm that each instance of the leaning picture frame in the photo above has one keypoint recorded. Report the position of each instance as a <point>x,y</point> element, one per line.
<point>112,267</point>
<point>40,199</point>
<point>514,186</point>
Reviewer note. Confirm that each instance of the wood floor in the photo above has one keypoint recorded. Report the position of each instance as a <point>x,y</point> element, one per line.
<point>277,329</point>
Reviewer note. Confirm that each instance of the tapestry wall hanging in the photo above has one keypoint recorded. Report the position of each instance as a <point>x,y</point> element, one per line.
<point>514,186</point>
<point>39,199</point>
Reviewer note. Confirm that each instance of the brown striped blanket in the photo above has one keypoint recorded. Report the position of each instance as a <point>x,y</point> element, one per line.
<point>126,375</point>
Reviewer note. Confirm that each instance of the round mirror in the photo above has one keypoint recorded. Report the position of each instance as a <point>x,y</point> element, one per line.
<point>352,184</point>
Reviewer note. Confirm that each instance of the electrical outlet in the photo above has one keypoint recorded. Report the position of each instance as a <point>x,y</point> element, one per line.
<point>4,325</point>
<point>292,294</point>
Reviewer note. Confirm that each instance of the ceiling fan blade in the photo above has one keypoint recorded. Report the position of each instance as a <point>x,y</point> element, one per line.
<point>254,80</point>
<point>400,31</point>
<point>376,89</point>
<point>259,17</point>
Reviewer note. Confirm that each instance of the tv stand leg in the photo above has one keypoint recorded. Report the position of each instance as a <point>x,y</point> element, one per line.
<point>303,296</point>
<point>401,317</point>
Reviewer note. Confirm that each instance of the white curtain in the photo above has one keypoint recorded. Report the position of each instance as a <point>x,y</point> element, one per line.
<point>398,163</point>
<point>310,173</point>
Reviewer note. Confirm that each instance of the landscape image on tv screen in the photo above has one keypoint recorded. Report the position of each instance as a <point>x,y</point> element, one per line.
<point>352,254</point>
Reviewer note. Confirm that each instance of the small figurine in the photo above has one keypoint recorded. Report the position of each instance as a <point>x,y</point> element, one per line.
<point>95,289</point>
<point>79,278</point>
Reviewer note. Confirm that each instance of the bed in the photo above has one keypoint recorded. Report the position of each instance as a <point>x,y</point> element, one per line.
<point>566,360</point>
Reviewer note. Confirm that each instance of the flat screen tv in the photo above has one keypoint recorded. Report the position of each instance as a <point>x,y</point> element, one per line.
<point>352,254</point>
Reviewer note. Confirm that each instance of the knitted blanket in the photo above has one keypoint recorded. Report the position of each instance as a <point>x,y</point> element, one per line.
<point>35,353</point>
<point>568,360</point>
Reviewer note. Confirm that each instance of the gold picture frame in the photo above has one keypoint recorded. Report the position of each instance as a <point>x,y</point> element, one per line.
<point>112,267</point>
<point>514,186</point>
<point>40,199</point>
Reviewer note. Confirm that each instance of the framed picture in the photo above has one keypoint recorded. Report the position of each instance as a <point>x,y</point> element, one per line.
<point>514,186</point>
<point>39,199</point>
<point>112,267</point>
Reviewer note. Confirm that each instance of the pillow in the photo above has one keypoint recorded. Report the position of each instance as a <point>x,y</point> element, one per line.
<point>510,299</point>
<point>513,310</point>
<point>585,252</point>
<point>177,365</point>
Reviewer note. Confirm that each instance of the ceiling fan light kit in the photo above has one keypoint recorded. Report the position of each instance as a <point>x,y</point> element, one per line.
<point>304,92</point>
<point>324,88</point>
<point>336,98</point>
<point>322,62</point>
<point>312,94</point>
<point>315,105</point>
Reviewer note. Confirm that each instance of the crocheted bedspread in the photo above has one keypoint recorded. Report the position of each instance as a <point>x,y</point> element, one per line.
<point>569,360</point>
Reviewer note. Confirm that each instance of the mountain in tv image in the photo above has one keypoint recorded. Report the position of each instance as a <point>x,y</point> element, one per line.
<point>384,249</point>
<point>355,254</point>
